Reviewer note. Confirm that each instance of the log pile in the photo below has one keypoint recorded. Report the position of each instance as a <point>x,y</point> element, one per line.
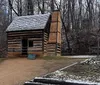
<point>47,81</point>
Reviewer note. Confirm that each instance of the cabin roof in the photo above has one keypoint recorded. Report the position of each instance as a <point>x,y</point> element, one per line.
<point>30,22</point>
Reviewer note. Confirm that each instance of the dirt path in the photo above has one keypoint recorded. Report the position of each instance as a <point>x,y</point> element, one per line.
<point>17,71</point>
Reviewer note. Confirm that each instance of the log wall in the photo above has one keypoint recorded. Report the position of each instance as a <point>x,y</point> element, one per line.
<point>15,42</point>
<point>45,42</point>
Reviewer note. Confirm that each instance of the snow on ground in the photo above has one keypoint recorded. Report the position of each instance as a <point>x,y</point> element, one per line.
<point>65,76</point>
<point>60,75</point>
<point>81,56</point>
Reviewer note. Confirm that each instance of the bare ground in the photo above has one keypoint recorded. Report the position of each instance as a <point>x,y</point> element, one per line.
<point>17,71</point>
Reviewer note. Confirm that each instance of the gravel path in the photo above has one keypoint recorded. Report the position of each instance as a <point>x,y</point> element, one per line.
<point>17,71</point>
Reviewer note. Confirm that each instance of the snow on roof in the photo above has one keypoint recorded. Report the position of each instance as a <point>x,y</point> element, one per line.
<point>30,22</point>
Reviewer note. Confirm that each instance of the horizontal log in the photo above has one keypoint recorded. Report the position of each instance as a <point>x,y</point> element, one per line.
<point>14,45</point>
<point>36,39</point>
<point>51,47</point>
<point>57,82</point>
<point>12,38</point>
<point>20,32</point>
<point>35,33</point>
<point>14,50</point>
<point>18,42</point>
<point>31,49</point>
<point>27,35</point>
<point>17,47</point>
<point>35,50</point>
<point>37,45</point>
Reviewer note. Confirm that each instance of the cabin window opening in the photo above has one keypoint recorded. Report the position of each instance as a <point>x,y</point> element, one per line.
<point>30,43</point>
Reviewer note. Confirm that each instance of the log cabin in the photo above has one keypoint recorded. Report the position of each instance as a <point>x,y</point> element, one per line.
<point>35,34</point>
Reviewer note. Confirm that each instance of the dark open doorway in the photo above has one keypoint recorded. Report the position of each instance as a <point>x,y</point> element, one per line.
<point>24,46</point>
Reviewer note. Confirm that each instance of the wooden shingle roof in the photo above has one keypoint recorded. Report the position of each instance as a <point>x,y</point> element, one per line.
<point>30,22</point>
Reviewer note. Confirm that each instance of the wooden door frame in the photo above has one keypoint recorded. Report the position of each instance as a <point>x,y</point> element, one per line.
<point>26,47</point>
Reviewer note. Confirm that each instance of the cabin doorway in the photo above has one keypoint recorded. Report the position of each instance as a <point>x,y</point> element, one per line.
<point>24,46</point>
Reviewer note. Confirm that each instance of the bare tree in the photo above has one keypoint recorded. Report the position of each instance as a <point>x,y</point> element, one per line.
<point>11,7</point>
<point>3,25</point>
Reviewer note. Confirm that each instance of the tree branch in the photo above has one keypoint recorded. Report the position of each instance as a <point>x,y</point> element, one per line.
<point>11,7</point>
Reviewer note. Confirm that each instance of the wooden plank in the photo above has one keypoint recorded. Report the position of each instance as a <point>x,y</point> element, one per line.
<point>53,27</point>
<point>59,18</point>
<point>12,38</point>
<point>14,42</point>
<point>59,38</point>
<point>14,45</point>
<point>32,38</point>
<point>59,27</point>
<point>55,16</point>
<point>27,35</point>
<point>34,49</point>
<point>26,32</point>
<point>14,50</point>
<point>52,38</point>
<point>37,42</point>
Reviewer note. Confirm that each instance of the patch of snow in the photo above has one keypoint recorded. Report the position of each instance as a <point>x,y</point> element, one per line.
<point>68,66</point>
<point>80,81</point>
<point>81,56</point>
<point>62,75</point>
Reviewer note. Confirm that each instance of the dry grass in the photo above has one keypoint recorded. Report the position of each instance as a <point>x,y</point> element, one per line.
<point>59,58</point>
<point>2,59</point>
